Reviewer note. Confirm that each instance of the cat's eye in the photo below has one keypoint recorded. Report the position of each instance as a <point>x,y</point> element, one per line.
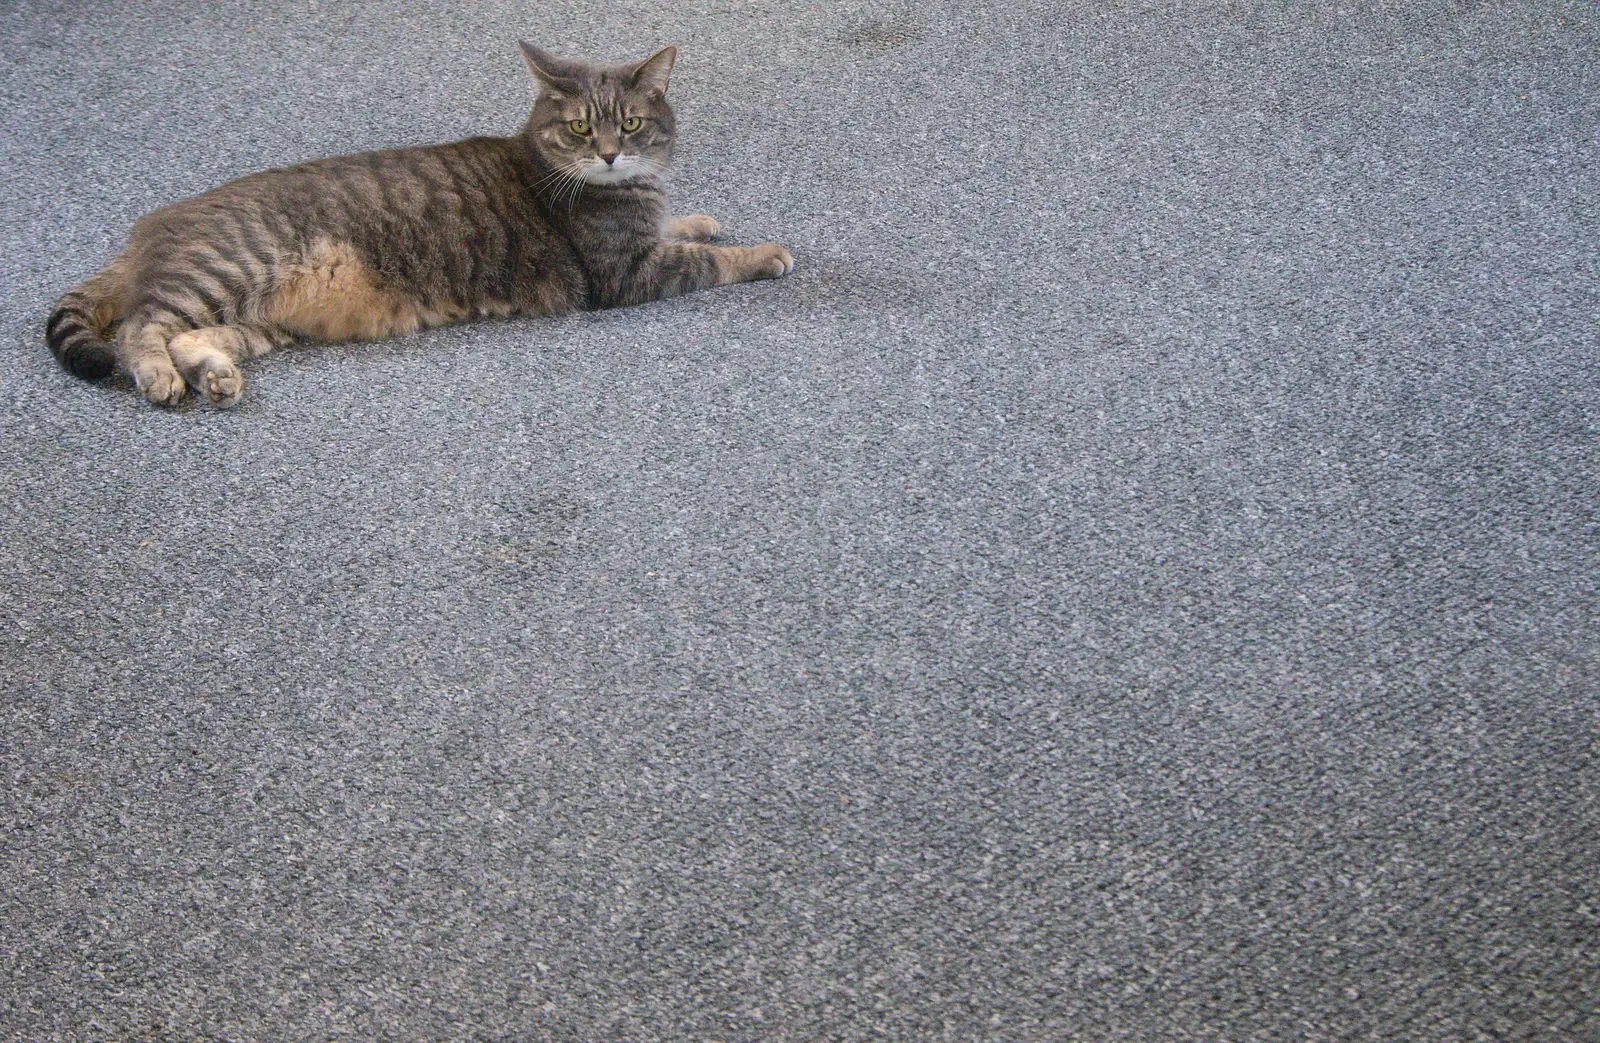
<point>631,124</point>
<point>579,126</point>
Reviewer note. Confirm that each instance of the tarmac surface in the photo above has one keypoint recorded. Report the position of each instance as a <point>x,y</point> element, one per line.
<point>1136,580</point>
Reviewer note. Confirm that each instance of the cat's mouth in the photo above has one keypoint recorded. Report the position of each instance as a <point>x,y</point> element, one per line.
<point>597,171</point>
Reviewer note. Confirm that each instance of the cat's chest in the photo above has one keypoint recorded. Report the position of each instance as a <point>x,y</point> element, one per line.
<point>608,241</point>
<point>620,223</point>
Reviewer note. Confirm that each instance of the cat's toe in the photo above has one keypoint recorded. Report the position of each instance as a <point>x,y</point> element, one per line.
<point>223,384</point>
<point>159,383</point>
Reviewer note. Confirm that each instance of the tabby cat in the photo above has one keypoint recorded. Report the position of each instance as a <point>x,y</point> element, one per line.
<point>569,214</point>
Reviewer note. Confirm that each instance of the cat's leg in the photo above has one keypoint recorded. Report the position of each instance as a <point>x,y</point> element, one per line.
<point>698,228</point>
<point>206,357</point>
<point>177,330</point>
<point>676,268</point>
<point>142,353</point>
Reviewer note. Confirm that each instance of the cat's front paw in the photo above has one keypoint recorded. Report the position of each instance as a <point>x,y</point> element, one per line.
<point>770,261</point>
<point>699,228</point>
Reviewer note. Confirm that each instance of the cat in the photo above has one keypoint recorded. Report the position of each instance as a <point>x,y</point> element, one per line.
<point>567,215</point>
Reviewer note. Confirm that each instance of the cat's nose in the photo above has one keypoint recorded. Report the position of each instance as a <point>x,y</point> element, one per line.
<point>609,157</point>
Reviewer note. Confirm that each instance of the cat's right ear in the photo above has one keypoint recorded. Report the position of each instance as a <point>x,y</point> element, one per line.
<point>554,73</point>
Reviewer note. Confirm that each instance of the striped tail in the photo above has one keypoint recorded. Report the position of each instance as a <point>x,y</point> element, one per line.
<point>79,329</point>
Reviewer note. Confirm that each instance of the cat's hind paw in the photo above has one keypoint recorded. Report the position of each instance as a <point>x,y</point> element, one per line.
<point>222,383</point>
<point>158,381</point>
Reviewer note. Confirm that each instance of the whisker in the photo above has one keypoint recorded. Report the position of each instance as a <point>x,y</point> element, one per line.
<point>652,168</point>
<point>559,173</point>
<point>564,189</point>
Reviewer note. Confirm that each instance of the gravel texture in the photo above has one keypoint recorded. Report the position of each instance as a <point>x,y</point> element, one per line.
<point>1136,580</point>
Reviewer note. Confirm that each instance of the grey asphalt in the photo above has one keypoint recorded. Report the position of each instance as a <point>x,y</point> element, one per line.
<point>1136,580</point>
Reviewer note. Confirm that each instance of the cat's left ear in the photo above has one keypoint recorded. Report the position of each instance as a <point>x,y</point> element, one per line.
<point>651,74</point>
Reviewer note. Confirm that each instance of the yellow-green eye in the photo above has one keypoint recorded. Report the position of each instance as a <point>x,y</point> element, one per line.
<point>631,124</point>
<point>579,126</point>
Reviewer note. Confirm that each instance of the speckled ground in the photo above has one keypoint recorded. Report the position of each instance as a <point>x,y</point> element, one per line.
<point>1135,581</point>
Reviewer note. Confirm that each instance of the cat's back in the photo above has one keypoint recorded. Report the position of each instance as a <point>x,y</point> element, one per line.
<point>452,222</point>
<point>395,183</point>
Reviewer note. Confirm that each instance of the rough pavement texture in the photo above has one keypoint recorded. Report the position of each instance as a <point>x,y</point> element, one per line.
<point>1136,580</point>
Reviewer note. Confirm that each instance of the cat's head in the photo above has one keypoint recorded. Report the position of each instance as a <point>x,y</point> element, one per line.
<point>602,124</point>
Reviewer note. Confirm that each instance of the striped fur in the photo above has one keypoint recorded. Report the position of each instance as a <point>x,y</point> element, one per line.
<point>569,214</point>
<point>84,319</point>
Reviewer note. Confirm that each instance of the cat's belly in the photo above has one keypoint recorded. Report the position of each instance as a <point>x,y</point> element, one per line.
<point>330,293</point>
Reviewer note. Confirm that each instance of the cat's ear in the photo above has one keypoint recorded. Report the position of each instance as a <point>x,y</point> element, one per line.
<point>651,74</point>
<point>555,73</point>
